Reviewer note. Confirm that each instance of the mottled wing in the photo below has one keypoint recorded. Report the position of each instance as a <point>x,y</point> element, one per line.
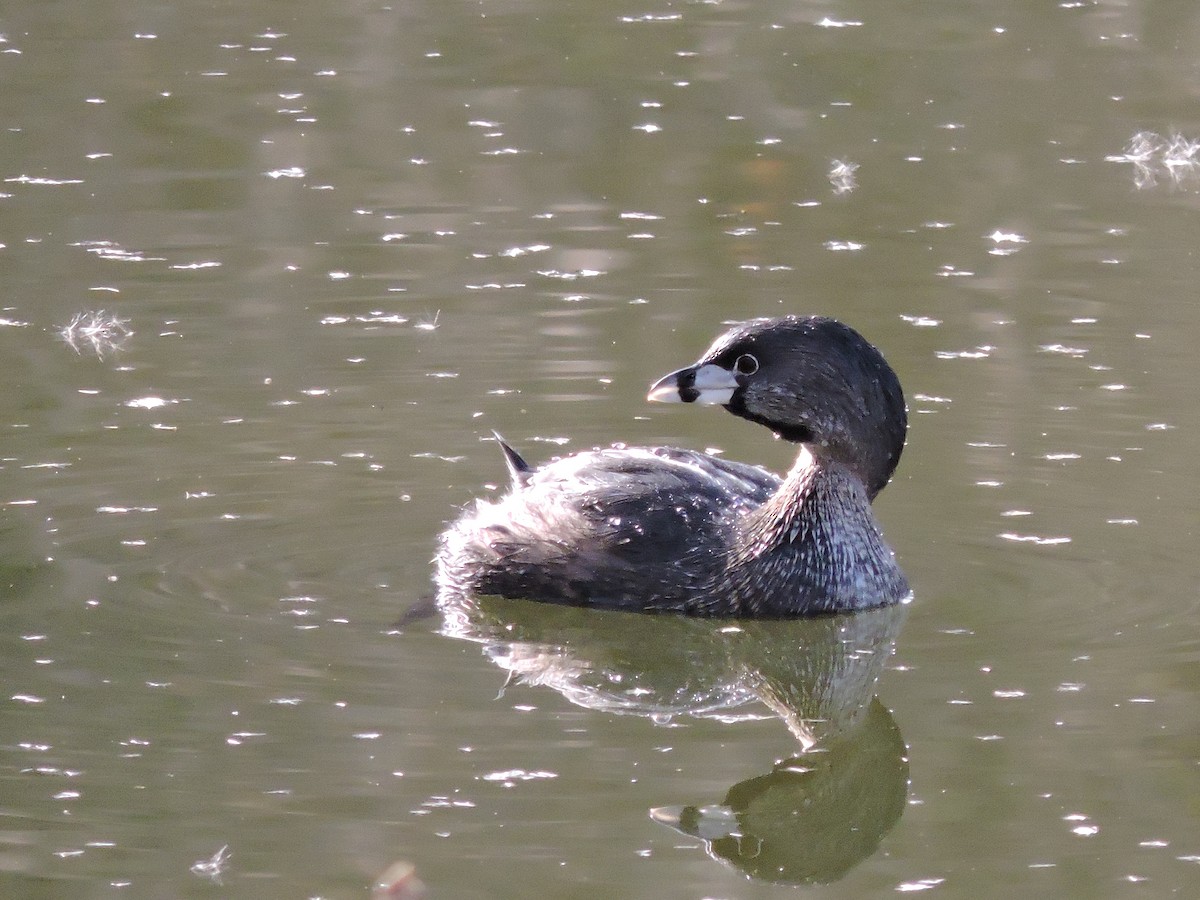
<point>628,529</point>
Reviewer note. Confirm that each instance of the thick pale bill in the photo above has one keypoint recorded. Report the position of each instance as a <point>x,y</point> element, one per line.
<point>709,384</point>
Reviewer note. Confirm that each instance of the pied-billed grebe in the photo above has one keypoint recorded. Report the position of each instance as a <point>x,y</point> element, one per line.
<point>663,529</point>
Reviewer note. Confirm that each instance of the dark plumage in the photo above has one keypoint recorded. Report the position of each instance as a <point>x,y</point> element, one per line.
<point>678,530</point>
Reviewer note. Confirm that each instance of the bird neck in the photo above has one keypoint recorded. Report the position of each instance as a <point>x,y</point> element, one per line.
<point>813,546</point>
<point>789,513</point>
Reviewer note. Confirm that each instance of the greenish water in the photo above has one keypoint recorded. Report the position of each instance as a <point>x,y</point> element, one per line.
<point>349,240</point>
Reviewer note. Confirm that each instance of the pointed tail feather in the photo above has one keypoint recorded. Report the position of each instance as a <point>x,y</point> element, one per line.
<point>518,469</point>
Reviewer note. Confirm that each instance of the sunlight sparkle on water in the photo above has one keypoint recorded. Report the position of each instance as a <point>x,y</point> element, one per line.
<point>949,271</point>
<point>921,321</point>
<point>1033,539</point>
<point>1063,349</point>
<point>977,353</point>
<point>1006,237</point>
<point>148,403</point>
<point>921,884</point>
<point>511,776</point>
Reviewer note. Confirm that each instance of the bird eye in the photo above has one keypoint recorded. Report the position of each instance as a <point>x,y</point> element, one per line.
<point>746,364</point>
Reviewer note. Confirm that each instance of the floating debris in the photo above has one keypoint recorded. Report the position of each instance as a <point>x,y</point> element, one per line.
<point>98,330</point>
<point>1153,157</point>
<point>399,881</point>
<point>842,177</point>
<point>213,867</point>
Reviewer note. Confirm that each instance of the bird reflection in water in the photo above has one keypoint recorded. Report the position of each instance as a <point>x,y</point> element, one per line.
<point>812,817</point>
